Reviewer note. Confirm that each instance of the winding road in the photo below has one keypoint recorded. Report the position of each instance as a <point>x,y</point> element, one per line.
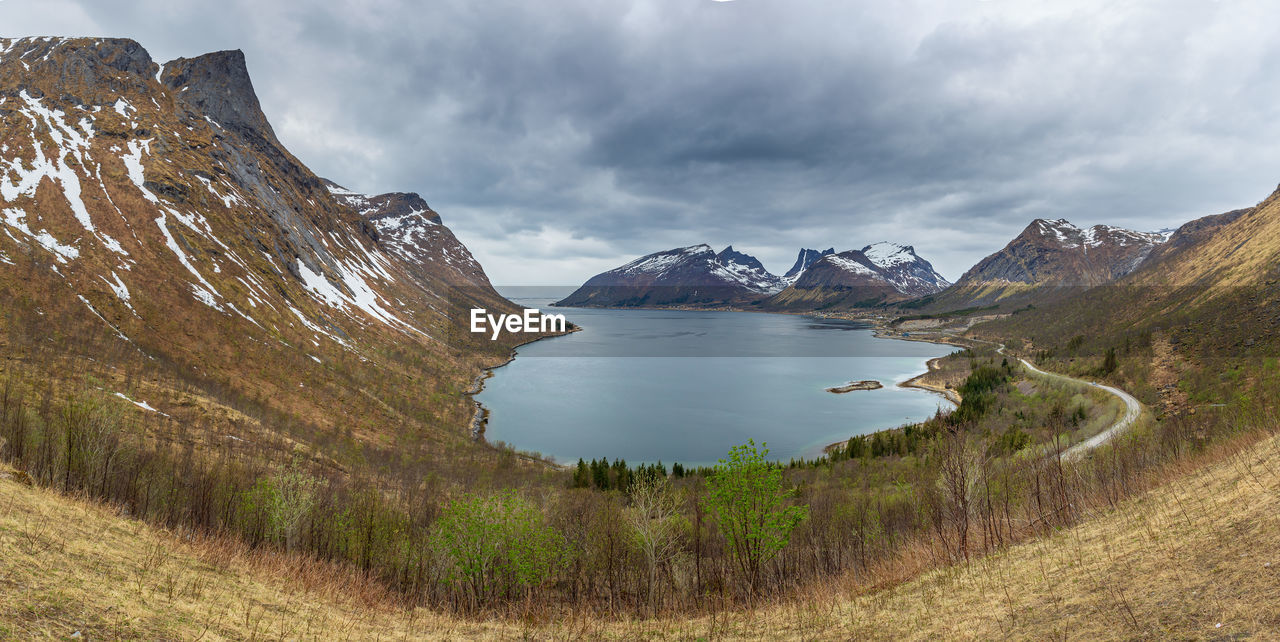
<point>1132,410</point>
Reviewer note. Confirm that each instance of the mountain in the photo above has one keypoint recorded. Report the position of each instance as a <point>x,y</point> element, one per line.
<point>1059,253</point>
<point>1191,235</point>
<point>748,271</point>
<point>1209,292</point>
<point>1049,258</point>
<point>877,274</point>
<point>404,226</point>
<point>694,275</point>
<point>904,269</point>
<point>803,261</point>
<point>149,214</point>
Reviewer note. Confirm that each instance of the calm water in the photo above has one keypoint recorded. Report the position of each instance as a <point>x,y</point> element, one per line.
<point>650,385</point>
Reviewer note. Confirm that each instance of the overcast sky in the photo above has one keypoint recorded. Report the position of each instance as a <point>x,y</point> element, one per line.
<point>561,138</point>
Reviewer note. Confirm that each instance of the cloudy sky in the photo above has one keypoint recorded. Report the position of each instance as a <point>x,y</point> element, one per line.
<point>560,138</point>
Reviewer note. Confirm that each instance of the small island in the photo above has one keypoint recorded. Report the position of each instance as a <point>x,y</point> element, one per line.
<point>856,385</point>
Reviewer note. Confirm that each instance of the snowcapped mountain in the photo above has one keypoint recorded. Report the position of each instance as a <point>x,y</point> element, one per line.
<point>804,259</point>
<point>402,224</point>
<point>878,273</point>
<point>747,270</point>
<point>698,276</point>
<point>902,267</point>
<point>1047,260</point>
<point>155,203</point>
<point>1059,253</point>
<point>694,275</point>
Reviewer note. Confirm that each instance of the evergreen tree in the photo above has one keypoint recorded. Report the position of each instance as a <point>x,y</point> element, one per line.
<point>1110,363</point>
<point>600,474</point>
<point>581,475</point>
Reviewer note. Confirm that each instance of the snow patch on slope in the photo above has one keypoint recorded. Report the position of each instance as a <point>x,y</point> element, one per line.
<point>117,286</point>
<point>850,265</point>
<point>68,142</point>
<point>141,404</point>
<point>16,219</point>
<point>362,296</point>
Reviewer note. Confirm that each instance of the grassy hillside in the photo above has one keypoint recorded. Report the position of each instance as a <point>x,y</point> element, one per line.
<point>1193,558</point>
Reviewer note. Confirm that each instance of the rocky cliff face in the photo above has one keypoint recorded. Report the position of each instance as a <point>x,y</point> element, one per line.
<point>217,85</point>
<point>687,276</point>
<point>804,259</point>
<point>1059,253</point>
<point>159,206</point>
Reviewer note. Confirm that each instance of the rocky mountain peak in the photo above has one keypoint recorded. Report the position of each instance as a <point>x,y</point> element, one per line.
<point>84,70</point>
<point>1056,252</point>
<point>391,204</point>
<point>804,259</point>
<point>218,85</point>
<point>730,256</point>
<point>120,54</point>
<point>886,254</point>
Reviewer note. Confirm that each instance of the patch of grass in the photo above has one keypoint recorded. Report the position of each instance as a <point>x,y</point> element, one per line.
<point>951,314</point>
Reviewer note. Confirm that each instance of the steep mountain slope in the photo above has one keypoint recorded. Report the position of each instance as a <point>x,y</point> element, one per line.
<point>156,204</point>
<point>405,227</point>
<point>1208,296</point>
<point>877,274</point>
<point>1191,234</point>
<point>1059,253</point>
<point>1049,259</point>
<point>694,275</point>
<point>804,259</point>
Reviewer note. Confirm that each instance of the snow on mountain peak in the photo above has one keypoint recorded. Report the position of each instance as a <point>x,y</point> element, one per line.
<point>1070,236</point>
<point>886,254</point>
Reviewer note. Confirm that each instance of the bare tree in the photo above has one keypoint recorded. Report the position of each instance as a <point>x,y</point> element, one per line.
<point>958,475</point>
<point>655,522</point>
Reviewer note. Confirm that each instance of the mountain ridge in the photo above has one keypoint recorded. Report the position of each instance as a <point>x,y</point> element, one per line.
<point>1046,260</point>
<point>698,276</point>
<point>169,215</point>
<point>695,275</point>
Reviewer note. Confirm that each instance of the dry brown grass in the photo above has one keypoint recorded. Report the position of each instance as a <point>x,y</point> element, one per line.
<point>1199,558</point>
<point>1202,550</point>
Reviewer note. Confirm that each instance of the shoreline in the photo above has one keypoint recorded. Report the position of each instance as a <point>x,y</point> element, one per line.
<point>881,332</point>
<point>480,416</point>
<point>945,393</point>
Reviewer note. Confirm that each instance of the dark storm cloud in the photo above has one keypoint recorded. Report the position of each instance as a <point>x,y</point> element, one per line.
<point>563,137</point>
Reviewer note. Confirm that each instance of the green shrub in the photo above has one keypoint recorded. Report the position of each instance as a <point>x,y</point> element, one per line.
<point>747,498</point>
<point>497,545</point>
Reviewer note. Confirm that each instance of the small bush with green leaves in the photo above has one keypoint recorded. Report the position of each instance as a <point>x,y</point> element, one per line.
<point>747,497</point>
<point>497,545</point>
